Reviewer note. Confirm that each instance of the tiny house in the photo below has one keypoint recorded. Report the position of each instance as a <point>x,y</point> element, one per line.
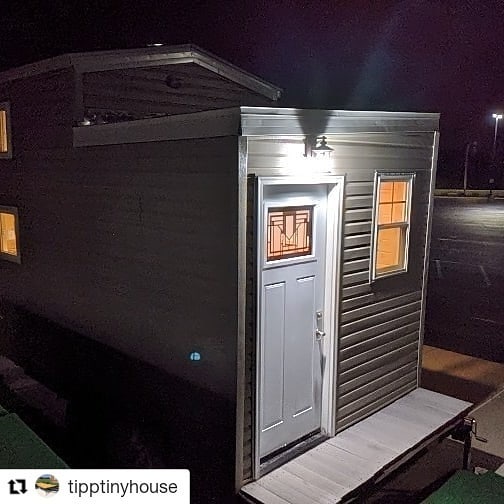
<point>270,262</point>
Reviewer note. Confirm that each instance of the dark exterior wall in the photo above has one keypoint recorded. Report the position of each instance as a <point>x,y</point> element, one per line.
<point>135,246</point>
<point>129,264</point>
<point>41,111</point>
<point>169,89</point>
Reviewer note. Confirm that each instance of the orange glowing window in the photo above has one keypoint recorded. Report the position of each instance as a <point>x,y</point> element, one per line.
<point>8,235</point>
<point>392,224</point>
<point>289,232</point>
<point>4,144</point>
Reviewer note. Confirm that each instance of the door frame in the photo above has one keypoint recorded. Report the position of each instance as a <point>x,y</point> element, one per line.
<point>334,211</point>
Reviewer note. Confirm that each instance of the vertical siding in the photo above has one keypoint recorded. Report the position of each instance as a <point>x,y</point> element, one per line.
<point>378,330</point>
<point>169,89</point>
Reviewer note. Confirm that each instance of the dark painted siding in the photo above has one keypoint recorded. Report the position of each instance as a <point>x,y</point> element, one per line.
<point>135,246</point>
<point>41,111</point>
<point>250,333</point>
<point>170,89</point>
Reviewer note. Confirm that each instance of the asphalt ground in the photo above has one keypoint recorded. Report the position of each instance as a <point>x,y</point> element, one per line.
<point>465,295</point>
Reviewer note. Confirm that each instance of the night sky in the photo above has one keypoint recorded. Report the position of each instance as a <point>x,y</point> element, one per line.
<point>443,56</point>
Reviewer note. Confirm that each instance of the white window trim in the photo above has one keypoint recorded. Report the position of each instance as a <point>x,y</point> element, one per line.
<point>399,177</point>
<point>5,106</point>
<point>3,255</point>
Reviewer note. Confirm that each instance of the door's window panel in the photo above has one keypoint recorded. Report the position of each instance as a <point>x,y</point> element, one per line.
<point>289,232</point>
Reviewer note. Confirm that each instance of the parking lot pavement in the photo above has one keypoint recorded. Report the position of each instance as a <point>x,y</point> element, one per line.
<point>465,296</point>
<point>489,416</point>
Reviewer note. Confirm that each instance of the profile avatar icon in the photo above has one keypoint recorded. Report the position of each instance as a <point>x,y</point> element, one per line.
<point>47,485</point>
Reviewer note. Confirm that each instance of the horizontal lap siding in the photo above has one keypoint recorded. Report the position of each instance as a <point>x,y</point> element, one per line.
<point>379,322</point>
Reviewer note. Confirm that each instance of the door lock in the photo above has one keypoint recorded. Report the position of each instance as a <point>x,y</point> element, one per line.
<point>319,335</point>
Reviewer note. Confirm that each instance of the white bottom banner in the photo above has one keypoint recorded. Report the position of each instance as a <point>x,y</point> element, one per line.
<point>98,486</point>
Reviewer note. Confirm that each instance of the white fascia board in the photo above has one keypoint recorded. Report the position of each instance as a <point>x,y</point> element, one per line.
<point>211,123</point>
<point>266,121</point>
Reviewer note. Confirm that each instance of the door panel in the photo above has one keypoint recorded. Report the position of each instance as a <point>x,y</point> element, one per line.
<point>292,291</point>
<point>301,370</point>
<point>273,377</point>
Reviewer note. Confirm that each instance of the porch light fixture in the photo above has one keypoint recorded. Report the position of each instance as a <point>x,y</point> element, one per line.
<point>317,148</point>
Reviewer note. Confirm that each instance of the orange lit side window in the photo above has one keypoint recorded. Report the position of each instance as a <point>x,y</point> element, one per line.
<point>4,144</point>
<point>9,248</point>
<point>392,225</point>
<point>5,140</point>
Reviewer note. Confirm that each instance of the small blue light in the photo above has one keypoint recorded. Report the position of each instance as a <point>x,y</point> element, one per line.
<point>195,356</point>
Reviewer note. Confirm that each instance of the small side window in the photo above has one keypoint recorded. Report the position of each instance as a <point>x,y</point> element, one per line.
<point>5,131</point>
<point>9,234</point>
<point>392,224</point>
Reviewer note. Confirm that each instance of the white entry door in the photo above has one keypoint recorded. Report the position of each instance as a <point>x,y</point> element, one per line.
<point>292,272</point>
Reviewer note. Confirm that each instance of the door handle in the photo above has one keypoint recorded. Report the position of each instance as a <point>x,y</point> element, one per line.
<point>319,332</point>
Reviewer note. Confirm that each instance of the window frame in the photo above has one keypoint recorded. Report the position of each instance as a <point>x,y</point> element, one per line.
<point>409,178</point>
<point>5,107</point>
<point>4,255</point>
<point>291,257</point>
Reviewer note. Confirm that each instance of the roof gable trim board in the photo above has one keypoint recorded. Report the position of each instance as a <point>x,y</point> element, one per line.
<point>152,56</point>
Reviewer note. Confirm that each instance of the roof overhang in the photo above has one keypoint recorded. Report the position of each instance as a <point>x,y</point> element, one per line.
<point>100,61</point>
<point>211,123</point>
<point>268,121</point>
<point>254,122</point>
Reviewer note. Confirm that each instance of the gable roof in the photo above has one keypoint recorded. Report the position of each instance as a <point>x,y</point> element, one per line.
<point>98,61</point>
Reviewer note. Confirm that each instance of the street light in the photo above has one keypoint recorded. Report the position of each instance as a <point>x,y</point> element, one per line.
<point>496,117</point>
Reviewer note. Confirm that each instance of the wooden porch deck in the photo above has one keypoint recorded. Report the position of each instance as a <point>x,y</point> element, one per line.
<point>364,453</point>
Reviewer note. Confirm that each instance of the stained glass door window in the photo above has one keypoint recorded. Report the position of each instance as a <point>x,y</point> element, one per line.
<point>289,232</point>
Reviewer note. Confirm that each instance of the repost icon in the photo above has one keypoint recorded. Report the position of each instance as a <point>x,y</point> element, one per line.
<point>17,487</point>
